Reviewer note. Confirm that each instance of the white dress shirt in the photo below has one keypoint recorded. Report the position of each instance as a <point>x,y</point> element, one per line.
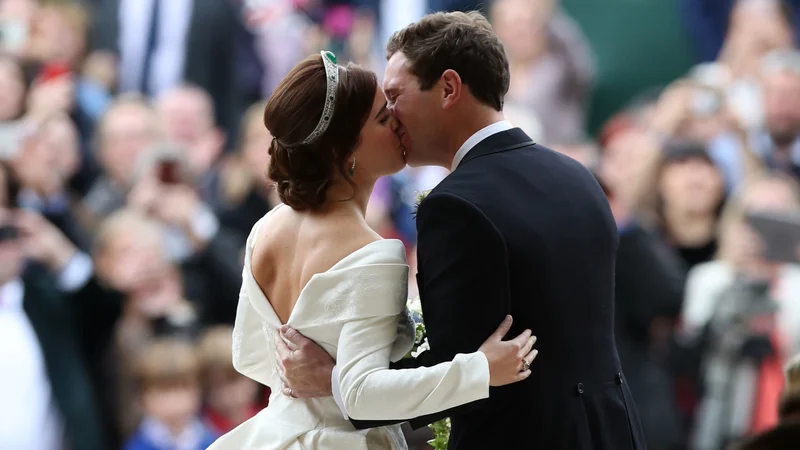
<point>29,419</point>
<point>478,137</point>
<point>468,145</point>
<point>167,65</point>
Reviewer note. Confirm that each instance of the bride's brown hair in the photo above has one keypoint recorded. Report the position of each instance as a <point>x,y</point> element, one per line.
<point>304,172</point>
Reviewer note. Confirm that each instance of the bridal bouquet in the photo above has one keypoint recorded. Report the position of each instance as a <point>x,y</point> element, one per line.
<point>440,429</point>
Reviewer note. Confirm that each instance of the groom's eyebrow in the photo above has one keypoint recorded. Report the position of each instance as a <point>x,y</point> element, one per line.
<point>383,108</point>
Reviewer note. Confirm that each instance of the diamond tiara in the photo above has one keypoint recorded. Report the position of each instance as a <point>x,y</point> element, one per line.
<point>332,78</point>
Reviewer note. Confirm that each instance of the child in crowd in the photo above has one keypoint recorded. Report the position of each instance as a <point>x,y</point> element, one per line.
<point>168,382</point>
<point>230,396</point>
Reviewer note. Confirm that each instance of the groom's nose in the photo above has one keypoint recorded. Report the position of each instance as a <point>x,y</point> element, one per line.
<point>396,125</point>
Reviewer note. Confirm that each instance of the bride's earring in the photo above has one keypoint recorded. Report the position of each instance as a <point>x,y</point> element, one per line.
<point>353,167</point>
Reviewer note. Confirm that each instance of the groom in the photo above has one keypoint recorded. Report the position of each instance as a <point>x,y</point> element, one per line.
<point>515,229</point>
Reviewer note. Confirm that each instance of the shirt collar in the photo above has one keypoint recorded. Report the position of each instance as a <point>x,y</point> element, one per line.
<point>479,136</point>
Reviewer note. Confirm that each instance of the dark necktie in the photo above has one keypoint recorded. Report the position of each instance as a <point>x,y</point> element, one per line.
<point>152,36</point>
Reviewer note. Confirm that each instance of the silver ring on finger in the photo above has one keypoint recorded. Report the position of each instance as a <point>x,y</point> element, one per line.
<point>525,365</point>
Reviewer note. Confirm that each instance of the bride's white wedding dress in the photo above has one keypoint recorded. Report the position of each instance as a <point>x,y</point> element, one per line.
<point>352,310</point>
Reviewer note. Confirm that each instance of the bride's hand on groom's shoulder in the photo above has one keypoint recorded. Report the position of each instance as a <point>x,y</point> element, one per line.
<point>509,361</point>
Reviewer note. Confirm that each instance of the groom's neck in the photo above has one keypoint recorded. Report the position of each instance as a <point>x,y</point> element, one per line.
<point>468,124</point>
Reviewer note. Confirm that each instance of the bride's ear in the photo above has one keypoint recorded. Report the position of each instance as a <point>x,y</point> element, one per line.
<point>451,88</point>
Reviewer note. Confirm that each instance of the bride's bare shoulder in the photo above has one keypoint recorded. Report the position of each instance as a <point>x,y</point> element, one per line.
<point>312,244</point>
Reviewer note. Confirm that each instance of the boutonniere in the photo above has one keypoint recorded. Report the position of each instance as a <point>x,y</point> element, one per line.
<point>420,197</point>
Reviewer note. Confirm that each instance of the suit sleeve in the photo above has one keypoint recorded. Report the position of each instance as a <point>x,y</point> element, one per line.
<point>463,282</point>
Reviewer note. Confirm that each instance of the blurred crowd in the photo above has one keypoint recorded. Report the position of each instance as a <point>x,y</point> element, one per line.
<point>132,167</point>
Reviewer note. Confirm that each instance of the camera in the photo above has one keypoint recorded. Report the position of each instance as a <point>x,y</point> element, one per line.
<point>706,103</point>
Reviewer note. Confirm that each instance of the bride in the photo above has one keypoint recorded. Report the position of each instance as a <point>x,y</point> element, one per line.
<point>315,264</point>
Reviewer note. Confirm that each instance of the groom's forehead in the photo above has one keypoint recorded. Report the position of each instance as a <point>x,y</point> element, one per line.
<point>395,77</point>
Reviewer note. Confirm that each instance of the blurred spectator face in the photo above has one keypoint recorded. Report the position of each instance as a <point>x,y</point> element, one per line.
<point>627,162</point>
<point>132,259</point>
<point>782,106</point>
<point>60,33</point>
<point>12,90</point>
<point>175,404</point>
<point>50,158</point>
<point>36,167</point>
<point>187,115</point>
<point>10,250</point>
<point>761,22</point>
<point>692,185</point>
<point>520,24</point>
<point>126,131</point>
<point>756,27</point>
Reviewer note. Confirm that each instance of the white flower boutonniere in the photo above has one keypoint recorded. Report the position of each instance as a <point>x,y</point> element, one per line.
<point>418,201</point>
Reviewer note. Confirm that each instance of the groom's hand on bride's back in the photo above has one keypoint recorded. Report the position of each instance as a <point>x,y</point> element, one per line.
<point>305,368</point>
<point>509,361</point>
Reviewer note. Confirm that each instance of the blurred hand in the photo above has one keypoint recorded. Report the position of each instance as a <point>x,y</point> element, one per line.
<point>42,241</point>
<point>48,98</point>
<point>145,194</point>
<point>746,252</point>
<point>177,205</point>
<point>672,108</point>
<point>133,270</point>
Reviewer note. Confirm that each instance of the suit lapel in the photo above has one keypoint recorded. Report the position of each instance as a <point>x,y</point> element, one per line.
<point>500,142</point>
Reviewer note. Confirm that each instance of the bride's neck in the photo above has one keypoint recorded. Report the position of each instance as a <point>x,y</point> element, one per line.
<point>343,196</point>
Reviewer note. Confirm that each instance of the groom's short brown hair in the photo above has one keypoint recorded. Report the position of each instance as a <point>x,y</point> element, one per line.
<point>464,42</point>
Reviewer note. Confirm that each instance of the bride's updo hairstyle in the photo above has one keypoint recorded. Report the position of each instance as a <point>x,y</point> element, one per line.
<point>304,162</point>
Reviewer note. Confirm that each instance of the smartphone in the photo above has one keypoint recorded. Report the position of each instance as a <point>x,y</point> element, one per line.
<point>169,172</point>
<point>780,233</point>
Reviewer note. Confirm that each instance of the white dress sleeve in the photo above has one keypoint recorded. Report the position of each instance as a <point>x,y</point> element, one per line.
<point>368,388</point>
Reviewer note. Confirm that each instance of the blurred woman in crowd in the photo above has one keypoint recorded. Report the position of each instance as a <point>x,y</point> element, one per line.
<point>690,193</point>
<point>742,309</point>
<point>551,65</point>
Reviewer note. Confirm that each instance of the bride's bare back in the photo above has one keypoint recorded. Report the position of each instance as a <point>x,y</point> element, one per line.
<point>292,246</point>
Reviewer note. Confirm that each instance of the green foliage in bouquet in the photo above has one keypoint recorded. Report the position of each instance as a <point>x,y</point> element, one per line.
<point>440,429</point>
<point>441,434</point>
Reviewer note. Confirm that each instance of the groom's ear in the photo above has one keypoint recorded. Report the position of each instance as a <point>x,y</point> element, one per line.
<point>451,88</point>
